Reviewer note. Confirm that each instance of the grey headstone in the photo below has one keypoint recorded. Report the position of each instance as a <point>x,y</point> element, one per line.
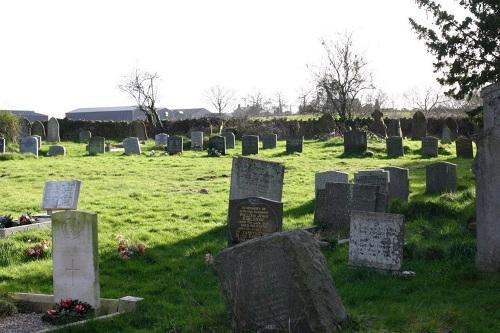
<point>453,126</point>
<point>230,139</point>
<point>53,130</point>
<point>331,176</point>
<point>2,146</point>
<point>197,141</point>
<point>38,140</point>
<point>294,144</point>
<point>441,177</point>
<point>249,145</point>
<point>75,260</point>
<point>419,126</point>
<point>250,218</point>
<point>279,282</point>
<point>376,177</point>
<point>378,126</point>
<point>251,177</point>
<point>24,127</point>
<point>131,146</point>
<point>161,140</point>
<point>394,128</point>
<point>218,143</point>
<point>57,150</point>
<point>96,145</point>
<point>430,147</point>
<point>269,141</point>
<point>394,146</point>
<point>446,135</point>
<point>464,148</point>
<point>491,107</point>
<point>38,129</point>
<point>28,144</point>
<point>376,241</point>
<point>355,141</point>
<point>61,194</point>
<point>175,144</point>
<point>399,183</point>
<point>140,130</point>
<point>84,136</point>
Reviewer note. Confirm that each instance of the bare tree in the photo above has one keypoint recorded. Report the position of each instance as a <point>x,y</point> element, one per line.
<point>258,104</point>
<point>220,97</point>
<point>143,87</point>
<point>280,101</point>
<point>343,77</point>
<point>426,99</point>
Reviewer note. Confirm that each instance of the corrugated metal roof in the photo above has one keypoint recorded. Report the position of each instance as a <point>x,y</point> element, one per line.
<point>104,109</point>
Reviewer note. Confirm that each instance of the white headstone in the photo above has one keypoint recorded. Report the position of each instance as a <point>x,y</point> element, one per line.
<point>61,194</point>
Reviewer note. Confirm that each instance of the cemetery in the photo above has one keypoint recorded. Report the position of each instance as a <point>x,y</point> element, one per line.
<point>301,235</point>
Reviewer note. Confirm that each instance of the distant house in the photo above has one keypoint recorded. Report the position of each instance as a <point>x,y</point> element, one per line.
<point>32,116</point>
<point>188,113</point>
<point>240,112</point>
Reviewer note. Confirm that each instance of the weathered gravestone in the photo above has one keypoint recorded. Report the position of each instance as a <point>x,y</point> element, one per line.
<point>253,217</point>
<point>230,139</point>
<point>446,135</point>
<point>61,194</point>
<point>453,126</point>
<point>131,146</point>
<point>38,129</point>
<point>84,136</point>
<point>418,126</point>
<point>376,177</point>
<point>251,177</point>
<point>430,147</point>
<point>464,148</point>
<point>321,178</point>
<point>24,127</point>
<point>326,124</point>
<point>28,144</point>
<point>2,145</point>
<point>140,130</point>
<point>378,126</point>
<point>376,241</point>
<point>441,177</point>
<point>96,145</point>
<point>218,143</point>
<point>53,130</point>
<point>197,141</point>
<point>75,257</point>
<point>175,144</point>
<point>394,128</point>
<point>161,140</point>
<point>399,183</point>
<point>394,145</point>
<point>294,144</point>
<point>355,141</point>
<point>249,145</point>
<point>269,141</point>
<point>491,106</point>
<point>57,150</point>
<point>38,140</point>
<point>279,282</point>
<point>337,201</point>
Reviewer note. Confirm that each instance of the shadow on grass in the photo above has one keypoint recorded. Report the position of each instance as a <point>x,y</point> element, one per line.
<point>299,211</point>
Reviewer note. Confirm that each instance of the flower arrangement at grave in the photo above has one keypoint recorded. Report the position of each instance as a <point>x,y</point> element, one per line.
<point>37,250</point>
<point>68,311</point>
<point>212,152</point>
<point>27,218</point>
<point>6,221</point>
<point>127,250</point>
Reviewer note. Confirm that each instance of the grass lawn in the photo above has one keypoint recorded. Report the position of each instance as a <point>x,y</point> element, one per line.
<point>158,200</point>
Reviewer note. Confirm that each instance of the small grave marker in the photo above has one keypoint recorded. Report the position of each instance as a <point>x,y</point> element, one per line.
<point>131,146</point>
<point>96,145</point>
<point>355,141</point>
<point>269,141</point>
<point>218,143</point>
<point>394,146</point>
<point>57,150</point>
<point>197,141</point>
<point>175,144</point>
<point>429,147</point>
<point>161,140</point>
<point>249,145</point>
<point>464,148</point>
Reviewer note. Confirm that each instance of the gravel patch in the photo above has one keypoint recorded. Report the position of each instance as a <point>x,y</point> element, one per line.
<point>23,323</point>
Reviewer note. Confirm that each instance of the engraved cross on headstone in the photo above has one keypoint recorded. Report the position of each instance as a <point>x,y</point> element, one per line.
<point>72,269</point>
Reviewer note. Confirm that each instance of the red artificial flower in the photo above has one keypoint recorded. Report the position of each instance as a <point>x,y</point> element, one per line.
<point>79,308</point>
<point>67,303</point>
<point>51,312</point>
<point>122,248</point>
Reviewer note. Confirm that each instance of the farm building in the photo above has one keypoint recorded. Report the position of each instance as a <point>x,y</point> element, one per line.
<point>32,116</point>
<point>187,114</point>
<point>114,113</point>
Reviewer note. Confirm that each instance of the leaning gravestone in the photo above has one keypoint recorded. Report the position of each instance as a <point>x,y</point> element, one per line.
<point>418,126</point>
<point>399,184</point>
<point>294,144</point>
<point>446,135</point>
<point>218,143</point>
<point>253,217</point>
<point>230,139</point>
<point>378,126</point>
<point>161,140</point>
<point>140,130</point>
<point>376,177</point>
<point>28,144</point>
<point>84,136</point>
<point>38,129</point>
<point>464,148</point>
<point>75,257</point>
<point>355,141</point>
<point>24,127</point>
<point>394,146</point>
<point>337,201</point>
<point>441,177</point>
<point>61,194</point>
<point>57,150</point>
<point>269,141</point>
<point>251,177</point>
<point>376,241</point>
<point>175,144</point>
<point>279,282</point>
<point>430,147</point>
<point>197,141</point>
<point>96,145</point>
<point>453,126</point>
<point>53,130</point>
<point>249,144</point>
<point>131,146</point>
<point>2,145</point>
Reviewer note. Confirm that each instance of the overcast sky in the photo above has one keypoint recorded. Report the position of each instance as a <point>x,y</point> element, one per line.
<point>57,56</point>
